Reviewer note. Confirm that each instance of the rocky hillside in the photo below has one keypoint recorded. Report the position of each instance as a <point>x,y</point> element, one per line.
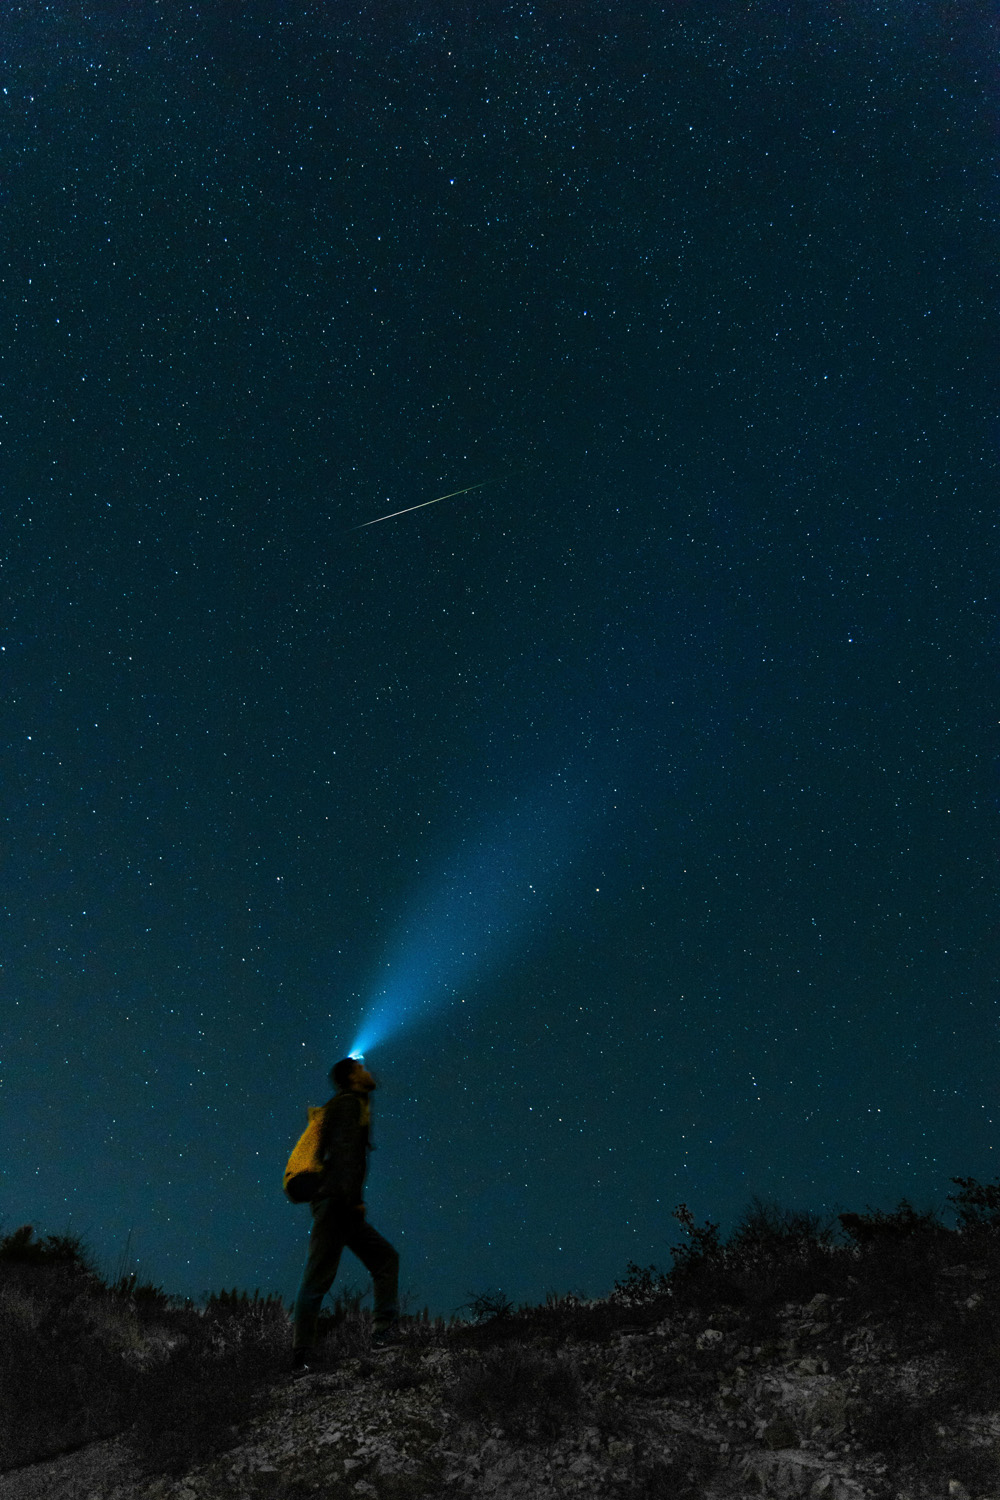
<point>878,1376</point>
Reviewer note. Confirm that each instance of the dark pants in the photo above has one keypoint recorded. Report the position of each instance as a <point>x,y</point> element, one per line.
<point>333,1229</point>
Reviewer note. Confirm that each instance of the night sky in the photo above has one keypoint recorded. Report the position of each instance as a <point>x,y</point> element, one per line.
<point>635,811</point>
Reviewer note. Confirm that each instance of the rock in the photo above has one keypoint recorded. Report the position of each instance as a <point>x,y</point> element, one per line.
<point>780,1476</point>
<point>828,1413</point>
<point>834,1487</point>
<point>780,1433</point>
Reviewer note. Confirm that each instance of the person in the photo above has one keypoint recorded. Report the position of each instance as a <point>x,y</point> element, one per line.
<point>338,1212</point>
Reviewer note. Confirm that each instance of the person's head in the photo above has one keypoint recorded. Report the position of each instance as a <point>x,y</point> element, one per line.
<point>351,1076</point>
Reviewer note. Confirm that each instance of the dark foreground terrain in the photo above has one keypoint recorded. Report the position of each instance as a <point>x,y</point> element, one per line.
<point>798,1358</point>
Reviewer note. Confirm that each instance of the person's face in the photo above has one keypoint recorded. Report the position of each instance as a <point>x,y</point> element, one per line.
<point>361,1080</point>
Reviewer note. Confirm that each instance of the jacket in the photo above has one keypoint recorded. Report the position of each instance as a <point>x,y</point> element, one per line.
<point>344,1147</point>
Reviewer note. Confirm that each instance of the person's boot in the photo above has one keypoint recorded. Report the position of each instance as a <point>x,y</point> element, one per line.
<point>303,1361</point>
<point>385,1334</point>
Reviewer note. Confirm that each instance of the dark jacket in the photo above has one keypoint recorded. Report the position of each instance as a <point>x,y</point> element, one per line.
<point>344,1147</point>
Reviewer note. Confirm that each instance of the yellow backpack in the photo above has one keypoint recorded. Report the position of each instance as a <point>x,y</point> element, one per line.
<point>305,1167</point>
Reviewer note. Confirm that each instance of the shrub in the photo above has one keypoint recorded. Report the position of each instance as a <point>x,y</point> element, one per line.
<point>346,1307</point>
<point>488,1306</point>
<point>62,1377</point>
<point>64,1251</point>
<point>699,1274</point>
<point>345,1329</point>
<point>904,1223</point>
<point>770,1234</point>
<point>244,1307</point>
<point>778,1255</point>
<point>896,1265</point>
<point>977,1205</point>
<point>81,1360</point>
<point>705,1251</point>
<point>641,1284</point>
<point>146,1298</point>
<point>528,1395</point>
<point>62,1342</point>
<point>191,1405</point>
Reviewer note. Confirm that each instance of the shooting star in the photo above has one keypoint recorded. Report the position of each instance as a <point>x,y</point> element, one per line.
<point>437,499</point>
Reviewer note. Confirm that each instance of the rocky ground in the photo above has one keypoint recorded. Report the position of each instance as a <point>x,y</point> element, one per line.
<point>688,1405</point>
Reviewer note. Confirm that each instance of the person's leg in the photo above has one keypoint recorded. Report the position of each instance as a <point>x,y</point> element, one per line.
<point>381,1260</point>
<point>326,1243</point>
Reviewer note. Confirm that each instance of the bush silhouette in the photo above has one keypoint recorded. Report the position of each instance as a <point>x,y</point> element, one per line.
<point>977,1206</point>
<point>485,1307</point>
<point>904,1223</point>
<point>62,1251</point>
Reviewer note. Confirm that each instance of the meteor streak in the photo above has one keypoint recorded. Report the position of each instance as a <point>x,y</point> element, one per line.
<point>450,496</point>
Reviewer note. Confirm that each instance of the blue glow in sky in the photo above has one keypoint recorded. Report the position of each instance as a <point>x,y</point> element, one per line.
<point>492,897</point>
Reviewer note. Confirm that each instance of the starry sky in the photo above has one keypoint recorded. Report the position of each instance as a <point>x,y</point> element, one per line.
<point>636,810</point>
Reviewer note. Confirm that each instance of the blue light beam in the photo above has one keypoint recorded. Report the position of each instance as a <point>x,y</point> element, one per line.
<point>496,894</point>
